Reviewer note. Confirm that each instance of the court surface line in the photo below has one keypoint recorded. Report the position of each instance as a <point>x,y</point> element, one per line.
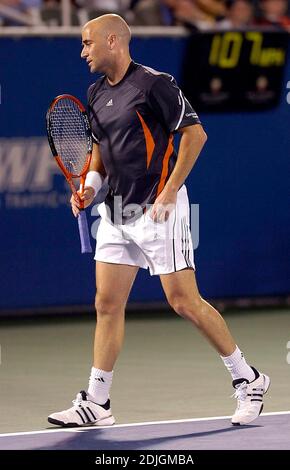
<point>146,423</point>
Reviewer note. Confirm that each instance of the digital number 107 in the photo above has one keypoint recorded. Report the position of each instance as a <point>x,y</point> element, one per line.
<point>226,48</point>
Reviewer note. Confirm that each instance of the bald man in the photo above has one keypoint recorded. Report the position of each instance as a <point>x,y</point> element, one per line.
<point>134,112</point>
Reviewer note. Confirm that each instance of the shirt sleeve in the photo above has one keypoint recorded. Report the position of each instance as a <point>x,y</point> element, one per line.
<point>96,138</point>
<point>170,105</point>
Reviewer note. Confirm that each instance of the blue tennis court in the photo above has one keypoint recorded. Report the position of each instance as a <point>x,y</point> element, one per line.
<point>270,432</point>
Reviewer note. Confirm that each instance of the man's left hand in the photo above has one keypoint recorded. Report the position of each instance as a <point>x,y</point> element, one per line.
<point>164,204</point>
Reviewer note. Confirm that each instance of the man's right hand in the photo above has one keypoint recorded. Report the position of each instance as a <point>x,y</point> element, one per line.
<point>88,196</point>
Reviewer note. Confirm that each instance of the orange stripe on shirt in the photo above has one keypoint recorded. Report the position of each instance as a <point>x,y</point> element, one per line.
<point>150,144</point>
<point>164,172</point>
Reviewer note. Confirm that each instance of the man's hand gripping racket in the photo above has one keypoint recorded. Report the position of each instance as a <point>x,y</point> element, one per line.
<point>70,140</point>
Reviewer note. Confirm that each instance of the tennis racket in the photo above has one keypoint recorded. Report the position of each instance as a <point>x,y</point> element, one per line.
<point>70,139</point>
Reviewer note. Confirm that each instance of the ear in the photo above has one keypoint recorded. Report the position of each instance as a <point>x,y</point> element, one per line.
<point>112,38</point>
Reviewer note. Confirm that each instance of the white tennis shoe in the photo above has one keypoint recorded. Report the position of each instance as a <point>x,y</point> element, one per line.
<point>250,398</point>
<point>83,413</point>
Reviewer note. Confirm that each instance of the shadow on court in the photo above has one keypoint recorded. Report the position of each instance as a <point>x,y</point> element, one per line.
<point>271,432</point>
<point>91,441</point>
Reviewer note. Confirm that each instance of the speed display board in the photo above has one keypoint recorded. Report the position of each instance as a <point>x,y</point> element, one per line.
<point>232,71</point>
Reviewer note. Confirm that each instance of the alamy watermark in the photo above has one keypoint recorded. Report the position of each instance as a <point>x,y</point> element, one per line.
<point>288,94</point>
<point>182,220</point>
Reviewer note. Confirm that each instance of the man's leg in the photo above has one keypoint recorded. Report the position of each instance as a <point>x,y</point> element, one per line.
<point>114,283</point>
<point>183,295</point>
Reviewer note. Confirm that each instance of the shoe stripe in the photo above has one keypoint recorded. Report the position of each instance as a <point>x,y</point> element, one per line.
<point>89,409</point>
<point>86,414</point>
<point>255,395</point>
<point>256,399</point>
<point>80,416</point>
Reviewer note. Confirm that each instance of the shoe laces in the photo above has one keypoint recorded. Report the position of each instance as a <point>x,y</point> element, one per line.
<point>241,392</point>
<point>78,400</point>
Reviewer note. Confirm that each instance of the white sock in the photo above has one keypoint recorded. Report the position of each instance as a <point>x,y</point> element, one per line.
<point>99,385</point>
<point>237,366</point>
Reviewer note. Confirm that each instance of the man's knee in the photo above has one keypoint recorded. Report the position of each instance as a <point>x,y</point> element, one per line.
<point>107,308</point>
<point>190,308</point>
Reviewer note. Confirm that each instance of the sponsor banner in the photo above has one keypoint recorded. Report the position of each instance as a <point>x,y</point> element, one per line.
<point>29,177</point>
<point>239,188</point>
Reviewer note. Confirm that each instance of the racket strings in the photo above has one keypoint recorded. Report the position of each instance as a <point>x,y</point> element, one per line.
<point>70,136</point>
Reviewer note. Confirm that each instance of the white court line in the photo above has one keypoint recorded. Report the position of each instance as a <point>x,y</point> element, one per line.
<point>146,423</point>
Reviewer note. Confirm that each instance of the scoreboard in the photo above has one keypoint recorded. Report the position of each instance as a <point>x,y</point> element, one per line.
<point>233,70</point>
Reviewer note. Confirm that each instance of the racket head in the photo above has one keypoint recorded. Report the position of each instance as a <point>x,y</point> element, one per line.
<point>69,135</point>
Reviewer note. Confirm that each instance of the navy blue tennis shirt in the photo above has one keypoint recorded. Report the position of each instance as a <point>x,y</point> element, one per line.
<point>133,122</point>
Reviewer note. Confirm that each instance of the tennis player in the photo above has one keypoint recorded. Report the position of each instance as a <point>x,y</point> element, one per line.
<point>134,112</point>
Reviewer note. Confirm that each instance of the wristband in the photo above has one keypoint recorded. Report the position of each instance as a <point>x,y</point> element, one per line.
<point>94,180</point>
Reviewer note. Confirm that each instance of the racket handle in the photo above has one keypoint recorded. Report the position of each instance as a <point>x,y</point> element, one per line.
<point>84,233</point>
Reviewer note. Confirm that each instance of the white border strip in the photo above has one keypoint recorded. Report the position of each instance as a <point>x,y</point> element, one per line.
<point>147,423</point>
<point>75,31</point>
<point>182,110</point>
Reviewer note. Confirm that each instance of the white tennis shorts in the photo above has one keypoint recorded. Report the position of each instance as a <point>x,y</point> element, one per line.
<point>162,247</point>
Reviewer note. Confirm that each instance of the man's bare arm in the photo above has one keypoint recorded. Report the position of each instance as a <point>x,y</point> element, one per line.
<point>96,162</point>
<point>89,193</point>
<point>192,141</point>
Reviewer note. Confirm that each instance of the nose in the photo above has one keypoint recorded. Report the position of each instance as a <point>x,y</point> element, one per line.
<point>84,53</point>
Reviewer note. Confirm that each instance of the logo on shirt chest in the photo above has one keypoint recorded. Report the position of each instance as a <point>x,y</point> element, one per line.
<point>110,102</point>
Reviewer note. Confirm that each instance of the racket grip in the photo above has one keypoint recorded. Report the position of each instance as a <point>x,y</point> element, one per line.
<point>84,233</point>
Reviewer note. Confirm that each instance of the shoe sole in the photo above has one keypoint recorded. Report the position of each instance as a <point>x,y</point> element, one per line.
<point>267,383</point>
<point>102,422</point>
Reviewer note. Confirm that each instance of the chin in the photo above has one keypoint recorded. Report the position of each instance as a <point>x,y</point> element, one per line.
<point>94,69</point>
